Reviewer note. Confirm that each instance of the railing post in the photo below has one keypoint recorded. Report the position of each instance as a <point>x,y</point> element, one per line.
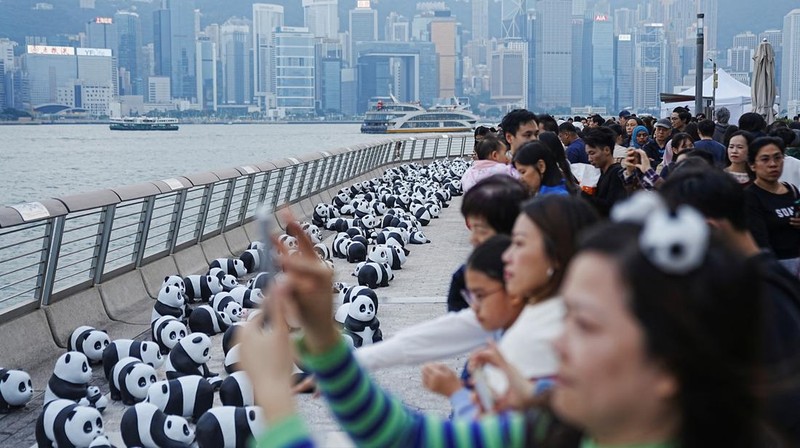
<point>143,230</point>
<point>291,185</point>
<point>175,222</point>
<point>262,194</point>
<point>449,145</point>
<point>313,177</point>
<point>246,197</point>
<point>276,195</point>
<point>226,203</point>
<point>101,243</point>
<point>56,230</point>
<point>205,204</point>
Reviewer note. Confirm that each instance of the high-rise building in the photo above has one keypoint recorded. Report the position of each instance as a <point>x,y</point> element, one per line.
<point>624,21</point>
<point>510,73</point>
<point>182,49</point>
<point>328,57</point>
<point>746,39</point>
<point>7,53</point>
<point>101,32</point>
<point>514,14</point>
<point>581,61</point>
<point>349,91</point>
<point>651,65</point>
<point>554,54</point>
<point>162,43</point>
<point>235,38</point>
<point>624,64</point>
<point>408,70</point>
<point>444,35</point>
<point>480,20</point>
<point>363,26</point>
<point>129,57</point>
<point>397,28</point>
<point>266,17</point>
<point>322,17</point>
<point>603,66</point>
<point>158,89</point>
<point>711,10</point>
<point>206,71</point>
<point>294,66</point>
<point>3,101</point>
<point>790,82</point>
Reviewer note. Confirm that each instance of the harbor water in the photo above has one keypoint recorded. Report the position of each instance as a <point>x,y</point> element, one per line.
<point>38,162</point>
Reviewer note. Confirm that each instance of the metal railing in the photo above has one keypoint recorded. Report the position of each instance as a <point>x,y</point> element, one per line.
<point>54,248</point>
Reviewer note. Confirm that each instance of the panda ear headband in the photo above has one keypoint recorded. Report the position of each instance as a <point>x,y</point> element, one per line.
<point>675,242</point>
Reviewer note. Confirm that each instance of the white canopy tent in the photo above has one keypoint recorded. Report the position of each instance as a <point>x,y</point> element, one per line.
<point>734,95</point>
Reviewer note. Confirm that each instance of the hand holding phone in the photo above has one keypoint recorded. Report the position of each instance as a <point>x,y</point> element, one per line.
<point>482,390</point>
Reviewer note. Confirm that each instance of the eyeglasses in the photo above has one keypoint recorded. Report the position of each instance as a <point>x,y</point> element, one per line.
<point>475,300</point>
<point>777,158</point>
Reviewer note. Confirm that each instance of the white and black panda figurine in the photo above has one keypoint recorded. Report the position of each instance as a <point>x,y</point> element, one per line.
<point>229,427</point>
<point>229,337</point>
<point>230,266</point>
<point>70,381</point>
<point>359,290</point>
<point>189,357</point>
<point>322,251</point>
<point>145,426</point>
<point>228,282</point>
<point>175,280</point>
<point>237,390</point>
<point>166,332</point>
<point>252,260</point>
<point>248,298</point>
<point>256,245</point>
<point>202,287</point>
<point>64,424</point>
<point>418,238</point>
<point>259,281</point>
<point>356,252</point>
<point>130,380</point>
<point>226,304</point>
<point>232,359</point>
<point>147,352</point>
<point>101,442</point>
<point>205,319</point>
<point>373,275</point>
<point>188,396</point>
<point>288,241</point>
<point>16,389</point>
<point>361,327</point>
<point>89,341</point>
<point>170,302</point>
<point>313,232</point>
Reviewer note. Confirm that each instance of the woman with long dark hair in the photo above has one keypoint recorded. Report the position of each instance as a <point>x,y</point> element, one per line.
<point>538,169</point>
<point>553,143</point>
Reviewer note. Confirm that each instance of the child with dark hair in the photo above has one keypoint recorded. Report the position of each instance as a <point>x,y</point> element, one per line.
<point>493,158</point>
<point>538,170</point>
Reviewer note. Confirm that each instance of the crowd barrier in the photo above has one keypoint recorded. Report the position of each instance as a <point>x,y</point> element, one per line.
<point>99,258</point>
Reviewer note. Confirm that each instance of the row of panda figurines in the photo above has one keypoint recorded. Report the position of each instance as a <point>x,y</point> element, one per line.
<point>188,390</point>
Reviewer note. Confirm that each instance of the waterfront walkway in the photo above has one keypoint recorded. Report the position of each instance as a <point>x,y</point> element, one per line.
<point>417,294</point>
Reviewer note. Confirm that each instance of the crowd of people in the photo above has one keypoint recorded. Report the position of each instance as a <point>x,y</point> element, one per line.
<point>658,307</point>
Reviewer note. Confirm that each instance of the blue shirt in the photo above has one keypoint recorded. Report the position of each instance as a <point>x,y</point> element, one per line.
<point>560,189</point>
<point>576,152</point>
<point>716,149</point>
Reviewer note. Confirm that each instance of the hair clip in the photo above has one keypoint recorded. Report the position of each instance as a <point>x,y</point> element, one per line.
<point>675,242</point>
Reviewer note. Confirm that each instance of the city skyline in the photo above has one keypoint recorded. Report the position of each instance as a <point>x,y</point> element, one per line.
<point>553,55</point>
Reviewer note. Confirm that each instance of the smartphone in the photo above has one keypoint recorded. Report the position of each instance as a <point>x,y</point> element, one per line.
<point>797,208</point>
<point>483,390</point>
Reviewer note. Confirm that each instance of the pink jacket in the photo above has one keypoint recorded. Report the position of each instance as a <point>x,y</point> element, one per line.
<point>481,169</point>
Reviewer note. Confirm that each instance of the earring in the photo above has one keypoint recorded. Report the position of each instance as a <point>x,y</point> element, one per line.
<point>550,272</point>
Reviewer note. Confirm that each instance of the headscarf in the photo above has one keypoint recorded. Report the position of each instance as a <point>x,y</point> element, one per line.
<point>636,132</point>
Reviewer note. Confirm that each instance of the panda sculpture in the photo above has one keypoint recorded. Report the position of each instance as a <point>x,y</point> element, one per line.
<point>418,238</point>
<point>313,232</point>
<point>356,291</point>
<point>237,390</point>
<point>251,258</point>
<point>229,337</point>
<point>226,304</point>
<point>259,281</point>
<point>379,254</point>
<point>361,327</point>
<point>229,427</point>
<point>170,302</point>
<point>64,424</point>
<point>130,380</point>
<point>247,297</point>
<point>147,352</point>
<point>373,275</point>
<point>166,332</point>
<point>256,245</point>
<point>289,242</point>
<point>189,357</point>
<point>231,363</point>
<point>205,319</point>
<point>356,252</point>
<point>16,389</point>
<point>70,381</point>
<point>188,396</point>
<point>230,266</point>
<point>89,341</point>
<point>202,287</point>
<point>174,280</point>
<point>322,251</point>
<point>145,426</point>
<point>228,282</point>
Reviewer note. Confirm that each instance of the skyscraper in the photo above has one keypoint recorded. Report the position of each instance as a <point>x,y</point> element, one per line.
<point>510,73</point>
<point>624,65</point>
<point>294,64</point>
<point>328,57</point>
<point>363,26</point>
<point>162,43</point>
<point>444,35</point>
<point>206,73</point>
<point>554,53</point>
<point>183,48</point>
<point>651,65</point>
<point>480,20</point>
<point>101,32</point>
<point>790,83</point>
<point>602,73</point>
<point>235,40</point>
<point>322,17</point>
<point>397,28</point>
<point>266,18</point>
<point>513,14</point>
<point>129,57</point>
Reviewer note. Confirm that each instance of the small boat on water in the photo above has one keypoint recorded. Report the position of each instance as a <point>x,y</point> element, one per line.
<point>143,124</point>
<point>389,116</point>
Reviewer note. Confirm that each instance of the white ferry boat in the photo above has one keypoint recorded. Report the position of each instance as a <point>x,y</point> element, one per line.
<point>389,116</point>
<point>143,124</point>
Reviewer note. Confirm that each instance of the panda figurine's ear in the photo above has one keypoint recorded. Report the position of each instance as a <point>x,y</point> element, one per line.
<point>5,376</point>
<point>72,413</point>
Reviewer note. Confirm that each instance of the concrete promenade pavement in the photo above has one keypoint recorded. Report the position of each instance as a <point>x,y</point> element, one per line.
<point>418,293</point>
